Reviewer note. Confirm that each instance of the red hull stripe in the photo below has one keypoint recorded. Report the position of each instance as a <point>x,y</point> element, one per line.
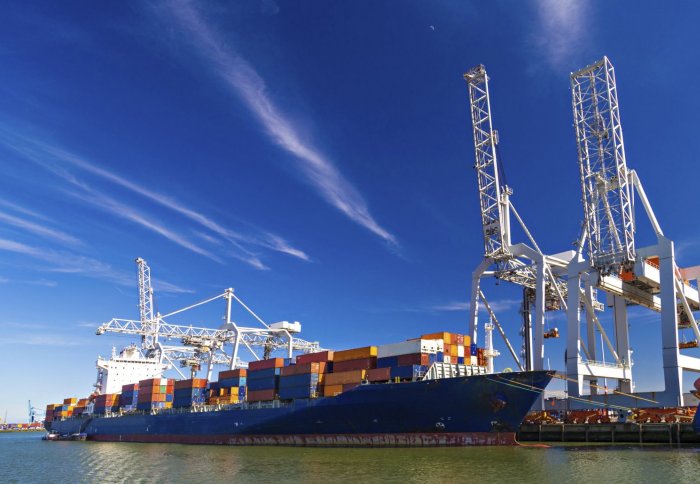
<point>319,440</point>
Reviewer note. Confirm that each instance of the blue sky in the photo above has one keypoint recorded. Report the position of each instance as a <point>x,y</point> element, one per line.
<point>314,155</point>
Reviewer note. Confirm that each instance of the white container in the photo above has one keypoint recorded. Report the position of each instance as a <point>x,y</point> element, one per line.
<point>448,359</point>
<point>460,350</point>
<point>474,360</point>
<point>410,347</point>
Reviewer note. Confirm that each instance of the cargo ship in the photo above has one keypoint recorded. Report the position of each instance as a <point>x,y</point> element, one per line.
<point>409,394</point>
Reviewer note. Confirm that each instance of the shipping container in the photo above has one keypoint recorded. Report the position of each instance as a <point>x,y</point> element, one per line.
<point>409,347</point>
<point>269,383</point>
<point>344,377</point>
<point>191,383</point>
<point>444,336</point>
<point>263,373</point>
<point>355,353</point>
<point>306,380</point>
<point>332,390</point>
<point>415,359</point>
<point>261,395</point>
<point>321,356</point>
<point>265,364</point>
<point>300,368</point>
<point>387,362</point>
<point>356,364</point>
<point>379,374</point>
<point>237,373</point>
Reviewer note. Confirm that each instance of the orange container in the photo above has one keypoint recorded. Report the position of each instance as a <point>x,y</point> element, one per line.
<point>446,337</point>
<point>191,383</point>
<point>332,390</point>
<point>303,368</point>
<point>379,374</point>
<point>321,356</point>
<point>355,353</point>
<point>345,377</point>
<point>70,401</point>
<point>223,375</point>
<point>265,364</point>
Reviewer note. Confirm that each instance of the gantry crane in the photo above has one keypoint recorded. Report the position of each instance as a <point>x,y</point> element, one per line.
<point>199,344</point>
<point>540,275</point>
<point>629,275</point>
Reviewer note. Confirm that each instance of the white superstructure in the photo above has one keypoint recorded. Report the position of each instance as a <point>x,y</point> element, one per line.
<point>129,366</point>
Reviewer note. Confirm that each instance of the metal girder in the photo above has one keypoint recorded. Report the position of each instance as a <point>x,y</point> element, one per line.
<point>493,219</point>
<point>607,198</point>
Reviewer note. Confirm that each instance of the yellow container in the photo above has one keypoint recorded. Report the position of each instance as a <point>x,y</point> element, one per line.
<point>332,390</point>
<point>355,353</point>
<point>345,377</point>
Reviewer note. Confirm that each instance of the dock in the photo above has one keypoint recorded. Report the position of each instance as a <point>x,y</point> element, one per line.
<point>646,433</point>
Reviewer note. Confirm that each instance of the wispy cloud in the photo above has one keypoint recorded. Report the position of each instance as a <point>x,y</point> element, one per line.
<point>243,81</point>
<point>38,229</point>
<point>70,263</point>
<point>25,211</point>
<point>562,25</point>
<point>496,305</point>
<point>39,152</point>
<point>33,282</point>
<point>115,207</point>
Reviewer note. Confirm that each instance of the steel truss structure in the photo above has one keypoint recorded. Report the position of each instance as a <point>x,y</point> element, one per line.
<point>541,276</point>
<point>647,276</point>
<point>199,345</point>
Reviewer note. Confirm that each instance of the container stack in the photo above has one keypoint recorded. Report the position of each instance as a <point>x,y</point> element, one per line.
<point>62,411</point>
<point>49,412</point>
<point>129,398</point>
<point>339,382</point>
<point>189,392</point>
<point>232,386</point>
<point>301,380</point>
<point>263,379</point>
<point>155,393</point>
<point>456,348</point>
<point>349,369</point>
<point>80,407</point>
<point>106,403</point>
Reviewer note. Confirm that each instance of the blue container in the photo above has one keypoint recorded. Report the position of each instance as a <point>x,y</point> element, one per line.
<point>169,397</point>
<point>474,349</point>
<point>232,382</point>
<point>304,379</point>
<point>432,358</point>
<point>408,371</point>
<point>241,392</point>
<point>460,360</point>
<point>439,357</point>
<point>297,392</point>
<point>263,383</point>
<point>266,373</point>
<point>387,362</point>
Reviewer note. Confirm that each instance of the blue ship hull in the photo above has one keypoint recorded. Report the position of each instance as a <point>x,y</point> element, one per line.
<point>474,410</point>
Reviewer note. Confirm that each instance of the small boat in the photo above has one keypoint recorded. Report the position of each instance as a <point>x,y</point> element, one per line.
<point>57,436</point>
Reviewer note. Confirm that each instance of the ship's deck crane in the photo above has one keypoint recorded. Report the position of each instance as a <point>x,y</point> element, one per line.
<point>646,276</point>
<point>200,344</point>
<point>540,275</point>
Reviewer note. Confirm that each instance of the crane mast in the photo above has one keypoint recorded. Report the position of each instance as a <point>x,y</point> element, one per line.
<point>520,263</point>
<point>607,198</point>
<point>629,275</point>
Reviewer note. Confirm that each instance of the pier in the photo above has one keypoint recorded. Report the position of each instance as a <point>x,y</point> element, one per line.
<point>646,433</point>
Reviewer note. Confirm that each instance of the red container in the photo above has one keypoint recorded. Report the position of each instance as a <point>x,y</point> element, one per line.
<point>350,386</point>
<point>304,368</point>
<point>260,395</point>
<point>191,383</point>
<point>358,364</point>
<point>413,359</point>
<point>315,357</point>
<point>130,387</point>
<point>379,374</point>
<point>265,364</point>
<point>224,375</point>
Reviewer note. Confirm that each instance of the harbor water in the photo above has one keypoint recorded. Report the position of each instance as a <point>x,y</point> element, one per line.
<point>24,457</point>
